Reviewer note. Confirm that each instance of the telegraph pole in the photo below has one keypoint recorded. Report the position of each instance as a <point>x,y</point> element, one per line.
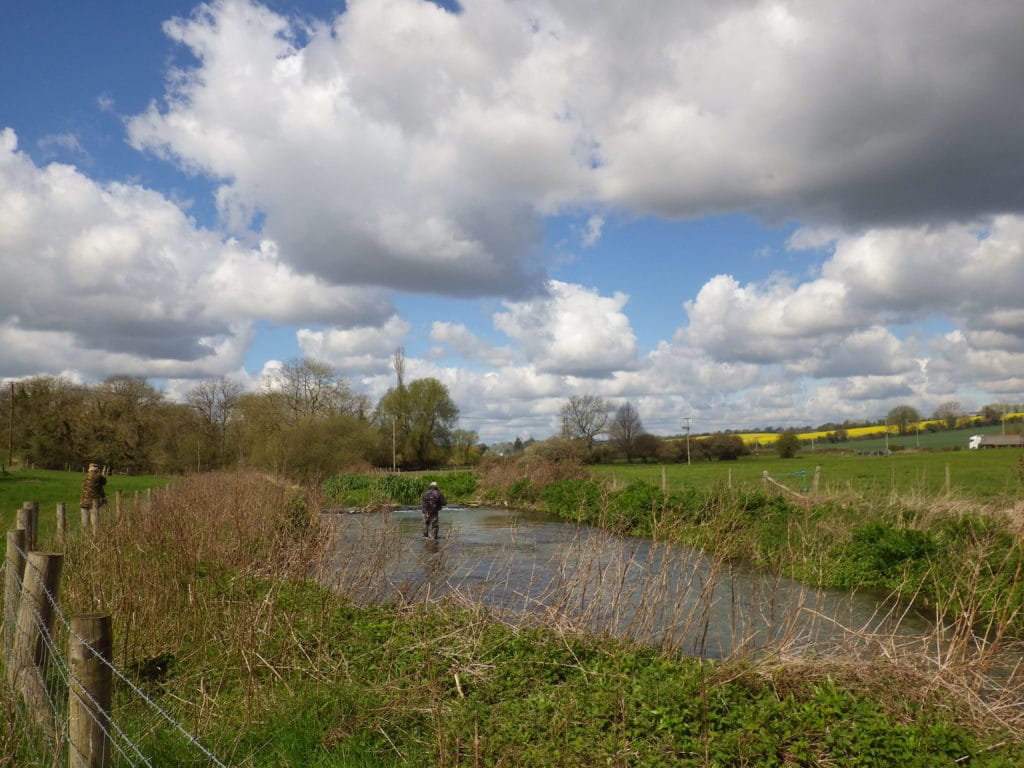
<point>687,426</point>
<point>10,431</point>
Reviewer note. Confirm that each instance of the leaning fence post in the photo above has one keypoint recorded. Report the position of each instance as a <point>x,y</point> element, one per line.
<point>30,655</point>
<point>90,653</point>
<point>12,584</point>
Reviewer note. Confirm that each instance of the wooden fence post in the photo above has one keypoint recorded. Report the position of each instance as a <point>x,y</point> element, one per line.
<point>118,503</point>
<point>28,518</point>
<point>817,476</point>
<point>62,520</point>
<point>12,585</point>
<point>30,654</point>
<point>90,652</point>
<point>94,516</point>
<point>34,516</point>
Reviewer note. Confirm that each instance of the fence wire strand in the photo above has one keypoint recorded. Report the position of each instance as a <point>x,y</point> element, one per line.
<point>50,676</point>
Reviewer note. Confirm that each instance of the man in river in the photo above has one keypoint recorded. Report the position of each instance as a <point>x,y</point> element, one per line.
<point>431,504</point>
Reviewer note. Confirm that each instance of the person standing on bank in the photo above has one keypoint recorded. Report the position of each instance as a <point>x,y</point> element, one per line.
<point>432,502</point>
<point>92,490</point>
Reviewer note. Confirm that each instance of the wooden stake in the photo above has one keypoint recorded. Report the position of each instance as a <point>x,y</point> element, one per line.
<point>90,652</point>
<point>12,584</point>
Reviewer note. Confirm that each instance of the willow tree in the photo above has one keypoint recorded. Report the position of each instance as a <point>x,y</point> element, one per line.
<point>419,418</point>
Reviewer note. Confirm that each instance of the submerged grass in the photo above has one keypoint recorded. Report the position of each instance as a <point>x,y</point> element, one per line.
<point>222,614</point>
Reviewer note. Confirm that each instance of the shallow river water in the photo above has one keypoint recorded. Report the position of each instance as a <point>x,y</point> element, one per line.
<point>529,567</point>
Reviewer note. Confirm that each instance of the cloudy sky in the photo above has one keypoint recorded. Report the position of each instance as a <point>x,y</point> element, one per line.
<point>742,213</point>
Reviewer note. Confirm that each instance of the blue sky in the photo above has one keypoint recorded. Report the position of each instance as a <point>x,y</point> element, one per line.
<point>747,213</point>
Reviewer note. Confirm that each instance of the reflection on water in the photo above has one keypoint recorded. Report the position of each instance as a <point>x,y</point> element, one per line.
<point>529,567</point>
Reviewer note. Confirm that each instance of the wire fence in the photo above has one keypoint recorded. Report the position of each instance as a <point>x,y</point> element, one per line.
<point>809,480</point>
<point>136,730</point>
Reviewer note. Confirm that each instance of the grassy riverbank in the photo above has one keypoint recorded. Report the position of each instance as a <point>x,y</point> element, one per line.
<point>219,618</point>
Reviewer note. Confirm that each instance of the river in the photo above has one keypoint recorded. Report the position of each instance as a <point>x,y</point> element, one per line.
<point>529,567</point>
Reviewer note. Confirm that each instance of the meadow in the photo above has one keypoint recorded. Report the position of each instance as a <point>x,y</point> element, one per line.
<point>49,488</point>
<point>986,476</point>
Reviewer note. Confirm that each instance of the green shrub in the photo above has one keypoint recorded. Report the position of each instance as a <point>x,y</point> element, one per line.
<point>340,488</point>
<point>632,507</point>
<point>521,491</point>
<point>578,500</point>
<point>882,555</point>
<point>457,485</point>
<point>401,489</point>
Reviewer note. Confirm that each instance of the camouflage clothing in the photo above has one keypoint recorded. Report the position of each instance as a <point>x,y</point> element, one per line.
<point>431,504</point>
<point>92,489</point>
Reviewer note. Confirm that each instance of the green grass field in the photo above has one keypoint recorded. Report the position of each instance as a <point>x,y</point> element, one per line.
<point>987,475</point>
<point>51,487</point>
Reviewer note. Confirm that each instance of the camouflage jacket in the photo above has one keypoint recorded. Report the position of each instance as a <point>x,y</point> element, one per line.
<point>432,502</point>
<point>92,489</point>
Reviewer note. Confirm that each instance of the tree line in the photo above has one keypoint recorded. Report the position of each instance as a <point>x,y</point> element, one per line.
<point>305,421</point>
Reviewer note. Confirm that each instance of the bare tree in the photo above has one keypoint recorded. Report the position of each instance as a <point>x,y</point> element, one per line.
<point>312,388</point>
<point>215,400</point>
<point>585,416</point>
<point>948,413</point>
<point>626,429</point>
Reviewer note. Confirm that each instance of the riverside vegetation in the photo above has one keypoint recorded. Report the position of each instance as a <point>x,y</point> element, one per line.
<point>218,579</point>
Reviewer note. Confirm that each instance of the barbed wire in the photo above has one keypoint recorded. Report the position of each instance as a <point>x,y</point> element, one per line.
<point>56,681</point>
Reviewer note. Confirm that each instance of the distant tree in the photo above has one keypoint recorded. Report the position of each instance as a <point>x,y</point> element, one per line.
<point>625,430</point>
<point>425,416</point>
<point>45,416</point>
<point>585,417</point>
<point>119,423</point>
<point>725,447</point>
<point>788,444</point>
<point>309,387</point>
<point>839,435</point>
<point>464,447</point>
<point>903,417</point>
<point>215,402</point>
<point>994,413</point>
<point>517,446</point>
<point>558,450</point>
<point>647,446</point>
<point>948,413</point>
